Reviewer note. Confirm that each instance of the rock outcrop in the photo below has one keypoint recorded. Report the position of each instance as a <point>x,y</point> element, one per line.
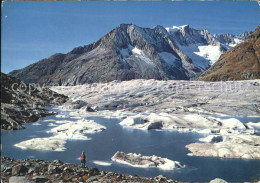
<point>131,52</point>
<point>239,63</point>
<point>21,102</point>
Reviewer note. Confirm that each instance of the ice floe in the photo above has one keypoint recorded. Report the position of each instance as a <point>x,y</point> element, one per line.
<point>62,131</point>
<point>76,130</point>
<point>102,163</point>
<point>227,146</point>
<point>190,122</point>
<point>36,124</point>
<point>46,144</point>
<point>137,160</point>
<point>52,124</point>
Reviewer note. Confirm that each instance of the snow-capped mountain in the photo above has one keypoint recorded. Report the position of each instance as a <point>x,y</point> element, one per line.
<point>238,63</point>
<point>202,47</point>
<point>132,52</point>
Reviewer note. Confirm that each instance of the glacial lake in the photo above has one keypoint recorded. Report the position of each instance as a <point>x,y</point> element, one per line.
<point>167,144</point>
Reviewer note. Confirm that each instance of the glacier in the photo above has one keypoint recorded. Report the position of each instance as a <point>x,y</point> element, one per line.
<point>184,106</point>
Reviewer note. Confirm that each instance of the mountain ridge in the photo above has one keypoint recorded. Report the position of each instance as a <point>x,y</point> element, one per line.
<point>241,62</point>
<point>129,52</point>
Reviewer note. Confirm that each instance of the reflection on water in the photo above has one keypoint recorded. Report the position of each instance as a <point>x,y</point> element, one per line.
<point>103,146</point>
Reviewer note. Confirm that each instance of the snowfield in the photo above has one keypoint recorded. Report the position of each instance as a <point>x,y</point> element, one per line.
<point>210,52</point>
<point>137,160</point>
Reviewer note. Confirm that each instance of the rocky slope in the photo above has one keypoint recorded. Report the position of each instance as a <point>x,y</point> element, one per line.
<point>20,102</point>
<point>33,171</point>
<point>131,52</point>
<point>239,63</point>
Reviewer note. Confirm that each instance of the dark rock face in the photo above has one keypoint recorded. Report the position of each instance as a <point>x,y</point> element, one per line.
<point>127,52</point>
<point>58,171</point>
<point>21,102</point>
<point>239,63</point>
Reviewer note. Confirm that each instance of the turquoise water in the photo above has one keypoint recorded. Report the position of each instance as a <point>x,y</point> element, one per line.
<point>103,146</point>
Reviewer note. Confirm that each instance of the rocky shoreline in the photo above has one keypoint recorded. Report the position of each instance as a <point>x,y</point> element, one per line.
<point>33,171</point>
<point>22,102</point>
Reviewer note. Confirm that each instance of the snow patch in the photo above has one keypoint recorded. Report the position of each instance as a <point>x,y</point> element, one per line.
<point>137,51</point>
<point>141,55</point>
<point>196,59</point>
<point>237,41</point>
<point>209,52</point>
<point>169,58</point>
<point>175,28</point>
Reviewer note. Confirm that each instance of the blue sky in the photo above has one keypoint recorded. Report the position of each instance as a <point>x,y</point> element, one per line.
<point>35,30</point>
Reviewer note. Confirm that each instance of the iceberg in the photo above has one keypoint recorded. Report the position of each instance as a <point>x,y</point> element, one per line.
<point>137,160</point>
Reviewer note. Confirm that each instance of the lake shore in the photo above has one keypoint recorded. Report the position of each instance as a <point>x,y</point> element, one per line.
<point>34,170</point>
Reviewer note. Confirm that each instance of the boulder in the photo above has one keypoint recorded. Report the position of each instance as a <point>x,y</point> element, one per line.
<point>31,170</point>
<point>19,170</point>
<point>161,178</point>
<point>8,169</point>
<point>53,169</point>
<point>93,171</point>
<point>58,162</point>
<point>67,169</point>
<point>20,179</point>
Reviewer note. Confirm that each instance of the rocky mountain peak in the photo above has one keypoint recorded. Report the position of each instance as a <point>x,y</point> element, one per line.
<point>185,29</point>
<point>131,52</point>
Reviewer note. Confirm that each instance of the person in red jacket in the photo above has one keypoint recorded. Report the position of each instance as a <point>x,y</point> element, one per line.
<point>83,159</point>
